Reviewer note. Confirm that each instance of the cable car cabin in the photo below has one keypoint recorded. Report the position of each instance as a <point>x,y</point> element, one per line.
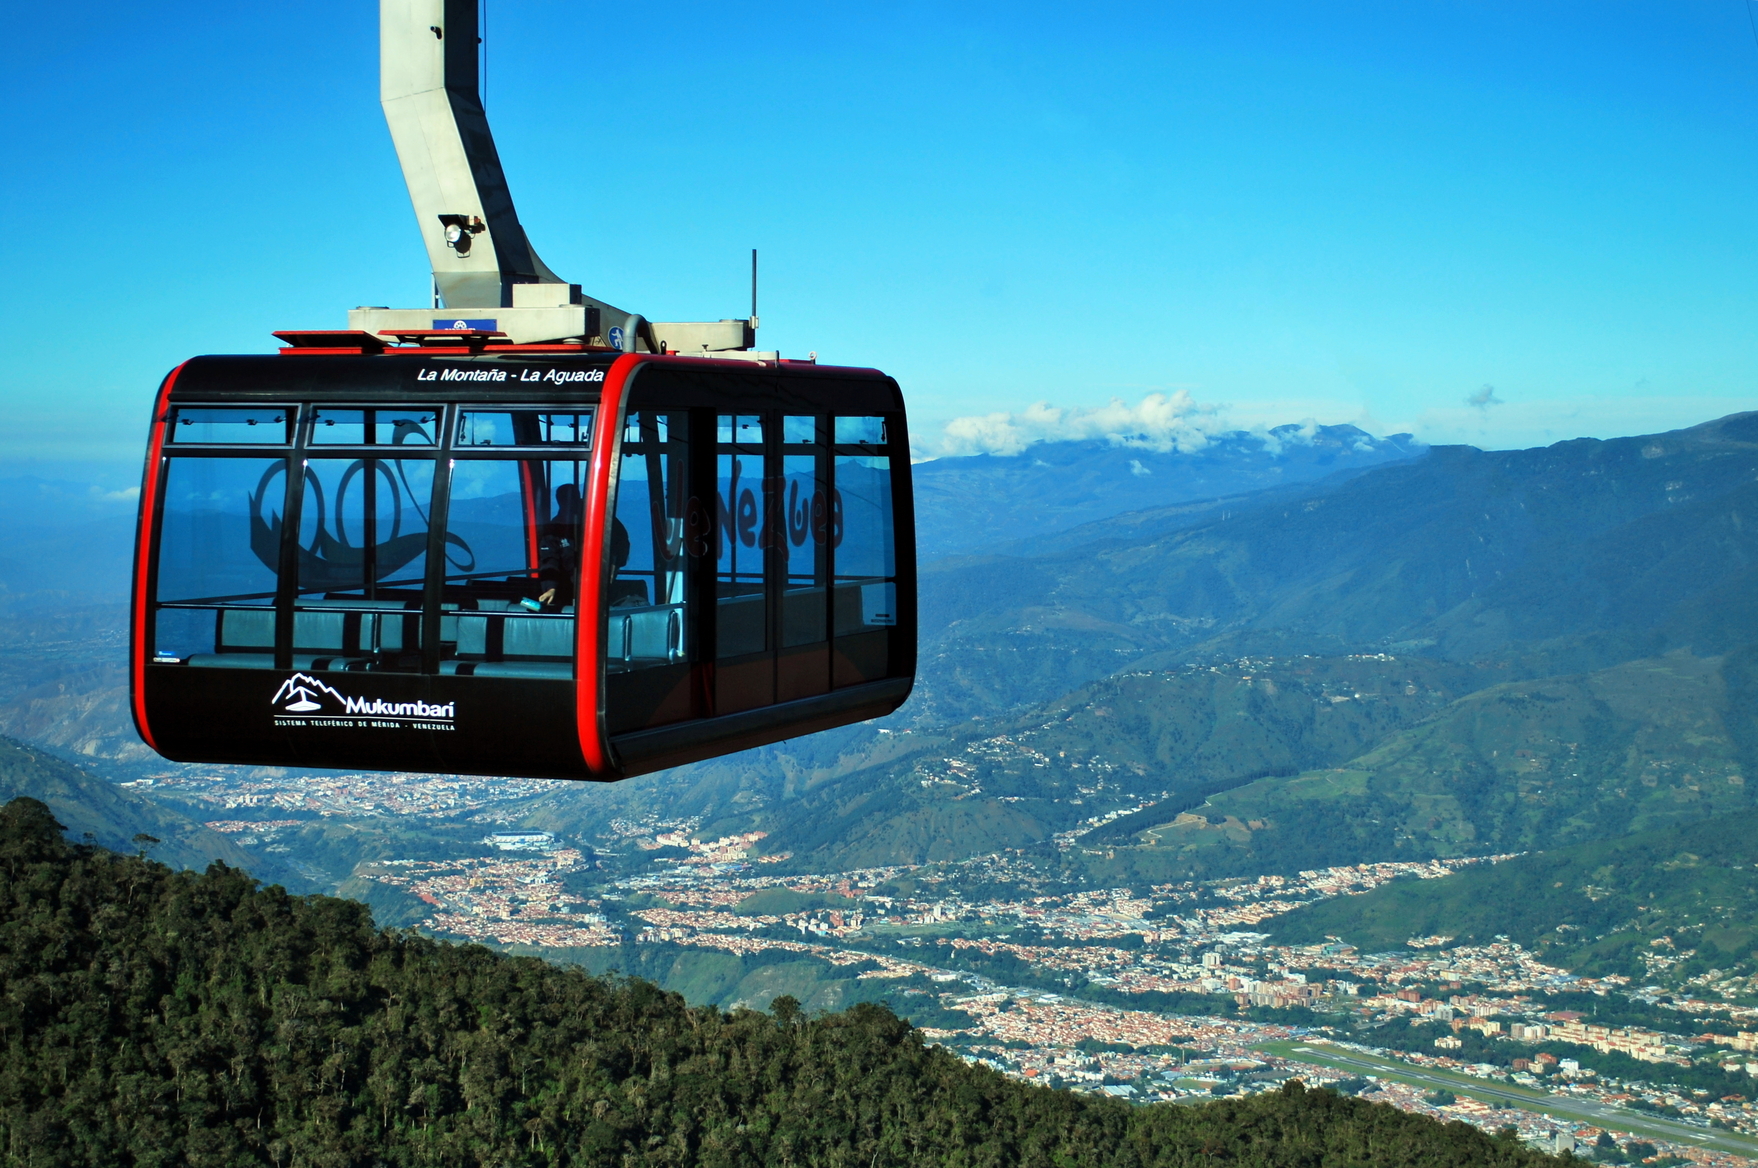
<point>575,565</point>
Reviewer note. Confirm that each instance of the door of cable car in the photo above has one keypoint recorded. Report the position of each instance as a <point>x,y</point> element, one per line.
<point>779,584</point>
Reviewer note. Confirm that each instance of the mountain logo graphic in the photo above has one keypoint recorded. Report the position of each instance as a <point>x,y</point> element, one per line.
<point>303,693</point>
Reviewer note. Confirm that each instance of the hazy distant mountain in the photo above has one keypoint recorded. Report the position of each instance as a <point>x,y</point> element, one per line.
<point>66,542</point>
<point>1625,547</point>
<point>112,816</point>
<point>968,503</point>
<point>63,543</point>
<point>64,687</point>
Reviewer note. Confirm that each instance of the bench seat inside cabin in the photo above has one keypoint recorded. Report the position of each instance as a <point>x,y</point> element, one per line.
<point>497,638</point>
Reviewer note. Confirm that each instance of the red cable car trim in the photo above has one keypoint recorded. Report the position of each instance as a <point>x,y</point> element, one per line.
<point>143,548</point>
<point>527,489</point>
<point>591,621</point>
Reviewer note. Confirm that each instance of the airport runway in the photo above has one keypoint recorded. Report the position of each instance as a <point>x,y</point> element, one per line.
<point>1564,1106</point>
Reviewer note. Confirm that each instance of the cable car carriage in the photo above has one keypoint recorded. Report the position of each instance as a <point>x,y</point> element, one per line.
<point>508,545</point>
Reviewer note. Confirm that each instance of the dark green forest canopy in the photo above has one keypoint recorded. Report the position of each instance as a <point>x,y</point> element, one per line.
<point>158,1017</point>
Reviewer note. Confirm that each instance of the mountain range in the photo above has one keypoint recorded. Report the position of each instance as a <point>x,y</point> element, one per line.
<point>1424,637</point>
<point>65,543</point>
<point>1588,551</point>
<point>1385,653</point>
<point>990,501</point>
<point>99,813</point>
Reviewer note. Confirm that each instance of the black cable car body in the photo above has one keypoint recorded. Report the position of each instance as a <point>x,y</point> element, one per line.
<point>542,561</point>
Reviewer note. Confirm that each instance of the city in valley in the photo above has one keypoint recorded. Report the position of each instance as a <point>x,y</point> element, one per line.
<point>1162,992</point>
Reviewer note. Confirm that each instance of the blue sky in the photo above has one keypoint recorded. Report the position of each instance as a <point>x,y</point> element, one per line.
<point>1346,212</point>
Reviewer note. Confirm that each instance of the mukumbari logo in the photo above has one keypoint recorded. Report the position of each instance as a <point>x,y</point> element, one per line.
<point>379,708</point>
<point>303,694</point>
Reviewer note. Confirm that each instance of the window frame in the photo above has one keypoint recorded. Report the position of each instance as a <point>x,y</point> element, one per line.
<point>175,414</point>
<point>791,667</point>
<point>295,453</point>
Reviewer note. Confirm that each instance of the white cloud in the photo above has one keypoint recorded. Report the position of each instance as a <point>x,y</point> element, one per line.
<point>1484,398</point>
<point>1168,421</point>
<point>1275,443</point>
<point>1161,422</point>
<point>126,495</point>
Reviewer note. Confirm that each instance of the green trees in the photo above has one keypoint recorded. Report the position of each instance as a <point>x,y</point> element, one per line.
<point>152,1017</point>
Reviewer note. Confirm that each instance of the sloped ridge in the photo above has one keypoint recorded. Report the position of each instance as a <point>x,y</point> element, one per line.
<point>1520,766</point>
<point>208,1020</point>
<point>1160,735</point>
<point>1685,891</point>
<point>111,817</point>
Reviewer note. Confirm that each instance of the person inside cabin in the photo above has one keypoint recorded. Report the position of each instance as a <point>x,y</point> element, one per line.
<point>558,550</point>
<point>623,593</point>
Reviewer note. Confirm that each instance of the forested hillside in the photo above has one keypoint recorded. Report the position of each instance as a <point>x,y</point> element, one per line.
<point>1520,766</point>
<point>913,795</point>
<point>1682,897</point>
<point>159,1017</point>
<point>112,818</point>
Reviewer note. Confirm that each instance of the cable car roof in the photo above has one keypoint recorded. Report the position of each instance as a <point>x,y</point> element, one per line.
<point>514,372</point>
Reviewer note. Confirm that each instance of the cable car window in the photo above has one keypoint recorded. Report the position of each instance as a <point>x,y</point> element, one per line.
<point>864,551</point>
<point>745,505</point>
<point>860,431</point>
<point>362,558</point>
<point>402,427</point>
<point>525,428</point>
<point>487,514</point>
<point>865,555</point>
<point>806,504</point>
<point>649,588</point>
<point>219,544</point>
<point>231,426</point>
<point>512,567</point>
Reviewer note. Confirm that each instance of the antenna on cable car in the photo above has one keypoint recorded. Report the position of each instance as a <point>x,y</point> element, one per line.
<point>487,277</point>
